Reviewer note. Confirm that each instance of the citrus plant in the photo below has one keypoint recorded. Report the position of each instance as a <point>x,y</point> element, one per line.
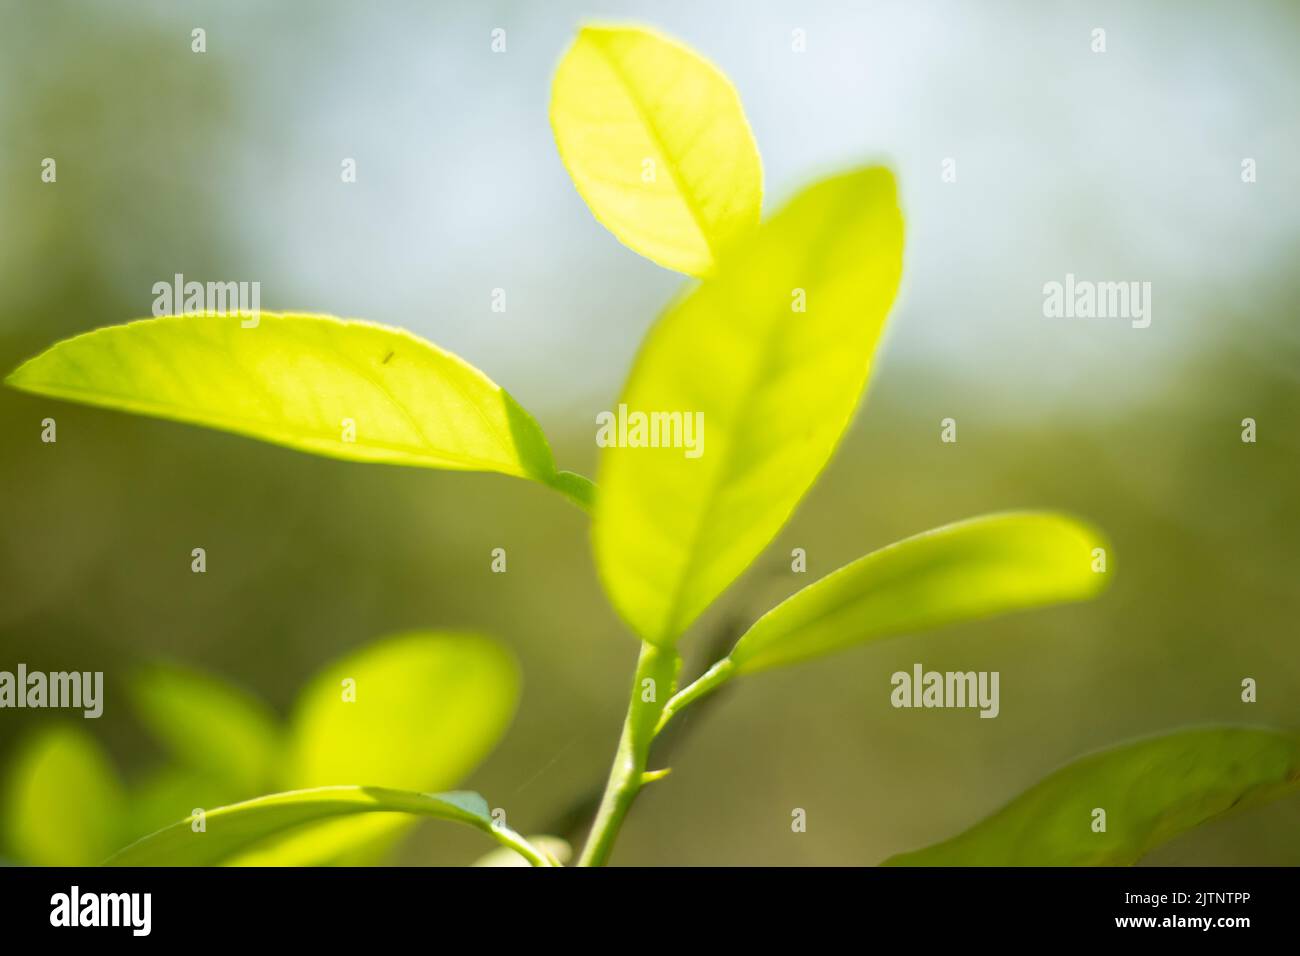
<point>771,342</point>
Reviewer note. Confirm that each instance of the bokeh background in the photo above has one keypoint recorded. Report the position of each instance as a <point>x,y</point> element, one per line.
<point>1124,165</point>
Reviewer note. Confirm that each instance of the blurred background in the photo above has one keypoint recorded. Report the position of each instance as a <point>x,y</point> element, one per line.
<point>1122,165</point>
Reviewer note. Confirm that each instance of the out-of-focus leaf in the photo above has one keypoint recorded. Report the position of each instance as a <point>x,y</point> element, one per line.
<point>226,832</point>
<point>1151,790</point>
<point>345,389</point>
<point>428,708</point>
<point>657,143</point>
<point>209,725</point>
<point>775,386</point>
<point>964,571</point>
<point>557,849</point>
<point>63,802</point>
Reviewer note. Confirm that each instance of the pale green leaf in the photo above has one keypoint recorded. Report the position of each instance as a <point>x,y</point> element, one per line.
<point>63,803</point>
<point>227,832</point>
<point>209,725</point>
<point>1151,791</point>
<point>964,571</point>
<point>657,144</point>
<point>344,389</point>
<point>429,707</point>
<point>776,388</point>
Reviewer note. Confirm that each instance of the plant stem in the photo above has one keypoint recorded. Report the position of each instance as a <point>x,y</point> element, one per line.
<point>706,683</point>
<point>660,665</point>
<point>520,845</point>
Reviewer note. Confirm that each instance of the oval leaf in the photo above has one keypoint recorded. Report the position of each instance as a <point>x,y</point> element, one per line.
<point>428,708</point>
<point>345,389</point>
<point>960,572</point>
<point>230,831</point>
<point>63,803</point>
<point>208,725</point>
<point>1151,790</point>
<point>773,387</point>
<point>657,143</point>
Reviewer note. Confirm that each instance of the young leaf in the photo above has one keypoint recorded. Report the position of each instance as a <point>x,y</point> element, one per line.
<point>345,389</point>
<point>415,711</point>
<point>1149,790</point>
<point>210,726</point>
<point>229,831</point>
<point>63,802</point>
<point>964,571</point>
<point>773,386</point>
<point>657,143</point>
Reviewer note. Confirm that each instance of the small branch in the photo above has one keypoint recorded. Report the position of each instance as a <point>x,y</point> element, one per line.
<point>706,683</point>
<point>506,837</point>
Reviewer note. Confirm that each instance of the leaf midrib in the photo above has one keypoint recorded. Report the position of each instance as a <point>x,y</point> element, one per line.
<point>688,198</point>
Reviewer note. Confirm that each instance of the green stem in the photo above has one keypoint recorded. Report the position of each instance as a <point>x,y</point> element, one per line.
<point>519,844</point>
<point>627,775</point>
<point>706,683</point>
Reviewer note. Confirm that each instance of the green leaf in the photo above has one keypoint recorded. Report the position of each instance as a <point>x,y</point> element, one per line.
<point>208,725</point>
<point>1151,790</point>
<point>776,388</point>
<point>557,849</point>
<point>657,143</point>
<point>166,794</point>
<point>428,708</point>
<point>298,381</point>
<point>366,840</point>
<point>964,571</point>
<point>229,831</point>
<point>63,802</point>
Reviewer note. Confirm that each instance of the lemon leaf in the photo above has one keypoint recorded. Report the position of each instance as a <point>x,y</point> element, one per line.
<point>1150,791</point>
<point>768,359</point>
<point>341,388</point>
<point>960,572</point>
<point>657,144</point>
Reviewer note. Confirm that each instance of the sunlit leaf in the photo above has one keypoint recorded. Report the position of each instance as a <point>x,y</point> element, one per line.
<point>428,708</point>
<point>63,802</point>
<point>209,725</point>
<point>963,571</point>
<point>775,387</point>
<point>226,832</point>
<point>657,143</point>
<point>1150,790</point>
<point>345,389</point>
